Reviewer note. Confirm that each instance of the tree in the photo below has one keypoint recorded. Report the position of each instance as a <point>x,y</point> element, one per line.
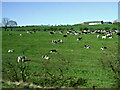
<point>5,22</point>
<point>12,23</point>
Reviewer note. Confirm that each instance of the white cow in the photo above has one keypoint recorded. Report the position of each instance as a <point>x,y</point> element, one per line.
<point>110,37</point>
<point>87,46</point>
<point>104,37</point>
<point>98,36</point>
<point>28,32</point>
<point>45,57</point>
<point>11,50</point>
<point>21,34</point>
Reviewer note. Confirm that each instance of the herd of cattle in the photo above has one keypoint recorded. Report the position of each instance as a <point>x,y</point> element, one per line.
<point>103,33</point>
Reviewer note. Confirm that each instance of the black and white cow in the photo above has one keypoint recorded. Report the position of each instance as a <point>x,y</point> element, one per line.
<point>54,41</point>
<point>110,36</point>
<point>118,34</point>
<point>61,32</point>
<point>60,41</point>
<point>9,34</point>
<point>86,46</point>
<point>45,57</point>
<point>11,50</point>
<point>79,38</point>
<point>103,48</point>
<point>21,58</point>
<point>53,51</point>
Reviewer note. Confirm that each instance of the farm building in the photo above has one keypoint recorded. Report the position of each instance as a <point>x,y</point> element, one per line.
<point>93,22</point>
<point>96,23</point>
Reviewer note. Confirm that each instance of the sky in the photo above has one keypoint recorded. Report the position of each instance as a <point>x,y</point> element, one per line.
<point>37,13</point>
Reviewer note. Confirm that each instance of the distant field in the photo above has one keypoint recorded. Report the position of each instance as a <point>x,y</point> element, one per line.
<point>83,63</point>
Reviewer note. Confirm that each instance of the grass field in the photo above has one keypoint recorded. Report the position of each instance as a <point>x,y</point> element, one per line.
<point>83,63</point>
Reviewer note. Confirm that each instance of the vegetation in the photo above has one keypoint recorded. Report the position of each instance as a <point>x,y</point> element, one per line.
<point>63,27</point>
<point>71,66</point>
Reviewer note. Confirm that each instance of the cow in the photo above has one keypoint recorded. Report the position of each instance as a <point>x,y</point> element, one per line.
<point>53,51</point>
<point>64,35</point>
<point>60,41</point>
<point>79,38</point>
<point>86,46</point>
<point>61,32</point>
<point>51,33</point>
<point>104,37</point>
<point>103,48</point>
<point>54,42</point>
<point>118,34</point>
<point>76,33</point>
<point>28,32</point>
<point>110,36</point>
<point>21,58</point>
<point>11,50</point>
<point>21,34</point>
<point>98,36</point>
<point>9,34</point>
<point>45,57</point>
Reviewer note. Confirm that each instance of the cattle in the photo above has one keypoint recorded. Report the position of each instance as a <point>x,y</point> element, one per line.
<point>45,57</point>
<point>21,59</point>
<point>64,35</point>
<point>61,32</point>
<point>21,34</point>
<point>86,46</point>
<point>79,38</point>
<point>60,41</point>
<point>28,32</point>
<point>98,36</point>
<point>54,42</point>
<point>11,50</point>
<point>34,31</point>
<point>53,51</point>
<point>76,33</point>
<point>54,32</point>
<point>103,48</point>
<point>118,34</point>
<point>104,37</point>
<point>110,36</point>
<point>9,34</point>
<point>51,33</point>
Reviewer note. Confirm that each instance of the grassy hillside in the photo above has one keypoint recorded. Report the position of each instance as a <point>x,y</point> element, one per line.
<point>81,62</point>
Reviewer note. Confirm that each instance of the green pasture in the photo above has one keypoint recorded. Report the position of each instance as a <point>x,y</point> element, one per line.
<point>81,62</point>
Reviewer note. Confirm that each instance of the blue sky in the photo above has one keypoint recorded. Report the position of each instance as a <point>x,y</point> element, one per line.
<point>36,13</point>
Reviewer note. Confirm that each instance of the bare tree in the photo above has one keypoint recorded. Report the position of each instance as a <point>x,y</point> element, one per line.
<point>5,22</point>
<point>12,23</point>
